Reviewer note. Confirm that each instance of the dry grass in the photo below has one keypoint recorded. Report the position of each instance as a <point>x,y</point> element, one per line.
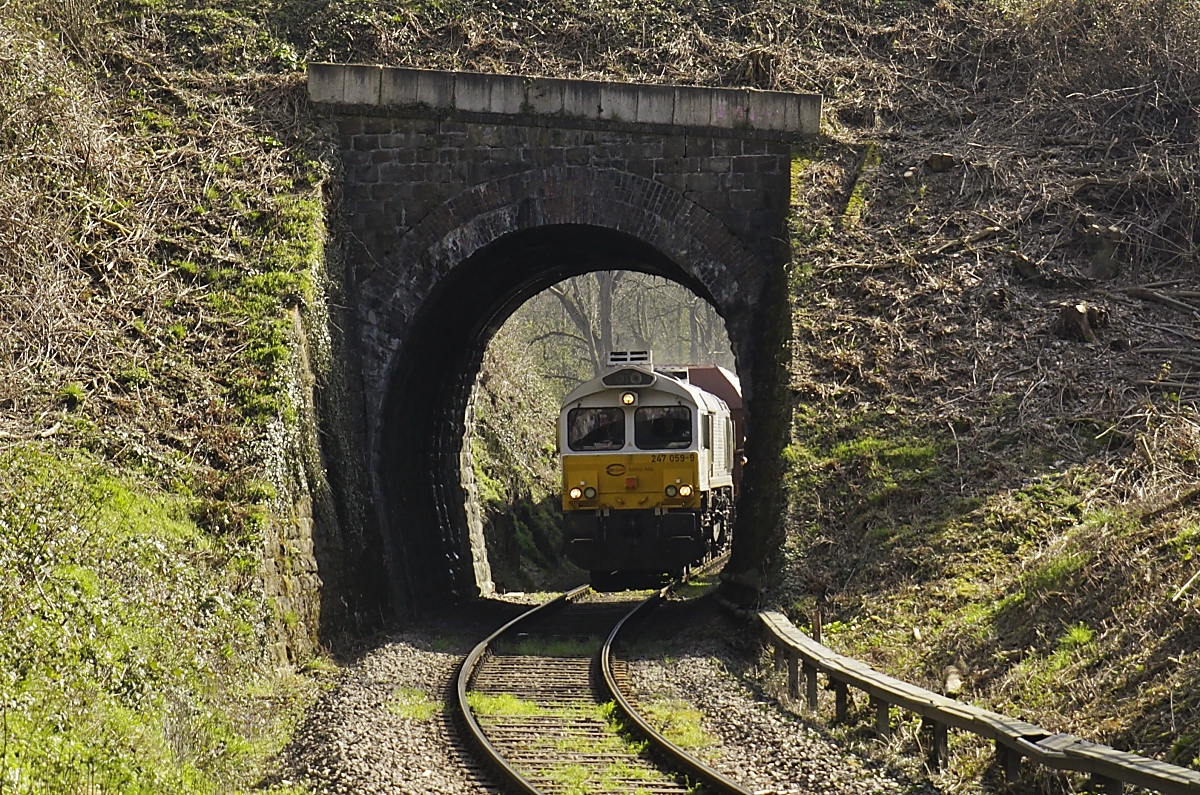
<point>62,187</point>
<point>1059,488</point>
<point>141,198</point>
<point>157,225</point>
<point>144,160</point>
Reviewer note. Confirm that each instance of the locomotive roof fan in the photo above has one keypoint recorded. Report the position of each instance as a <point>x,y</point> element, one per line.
<point>630,368</point>
<point>621,358</point>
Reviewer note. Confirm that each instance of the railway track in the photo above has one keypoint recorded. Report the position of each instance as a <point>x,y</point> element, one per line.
<point>543,700</point>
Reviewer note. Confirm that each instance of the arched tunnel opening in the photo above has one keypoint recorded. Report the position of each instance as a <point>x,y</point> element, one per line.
<point>422,457</point>
<point>432,557</point>
<point>552,345</point>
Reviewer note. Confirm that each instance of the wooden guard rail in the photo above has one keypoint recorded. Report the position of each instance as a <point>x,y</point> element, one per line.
<point>1110,769</point>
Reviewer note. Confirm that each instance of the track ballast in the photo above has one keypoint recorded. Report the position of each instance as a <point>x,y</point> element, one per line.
<point>534,699</point>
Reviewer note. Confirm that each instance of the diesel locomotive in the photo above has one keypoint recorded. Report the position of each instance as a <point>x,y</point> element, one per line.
<point>651,463</point>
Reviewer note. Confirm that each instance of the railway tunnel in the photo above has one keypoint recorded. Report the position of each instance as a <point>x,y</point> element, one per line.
<point>457,214</point>
<point>424,429</point>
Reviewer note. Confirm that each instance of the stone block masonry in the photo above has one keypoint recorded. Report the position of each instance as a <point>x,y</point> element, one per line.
<point>784,115</point>
<point>465,194</point>
<point>399,170</point>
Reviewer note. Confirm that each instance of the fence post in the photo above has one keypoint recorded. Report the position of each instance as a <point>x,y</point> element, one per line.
<point>793,663</point>
<point>941,745</point>
<point>810,677</point>
<point>883,717</point>
<point>1010,760</point>
<point>842,698</point>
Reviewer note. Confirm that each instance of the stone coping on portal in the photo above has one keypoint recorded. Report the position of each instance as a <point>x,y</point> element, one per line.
<point>747,110</point>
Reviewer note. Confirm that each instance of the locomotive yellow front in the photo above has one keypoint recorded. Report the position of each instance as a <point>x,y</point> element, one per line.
<point>647,465</point>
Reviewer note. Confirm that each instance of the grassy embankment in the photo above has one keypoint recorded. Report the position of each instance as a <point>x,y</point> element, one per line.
<point>516,471</point>
<point>163,217</point>
<point>1026,505</point>
<point>974,485</point>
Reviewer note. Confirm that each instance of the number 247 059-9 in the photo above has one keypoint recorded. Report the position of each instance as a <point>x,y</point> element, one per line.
<point>672,458</point>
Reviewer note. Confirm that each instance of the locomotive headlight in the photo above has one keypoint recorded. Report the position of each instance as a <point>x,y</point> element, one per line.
<point>628,398</point>
<point>575,492</point>
<point>671,490</point>
<point>685,490</point>
<point>590,493</point>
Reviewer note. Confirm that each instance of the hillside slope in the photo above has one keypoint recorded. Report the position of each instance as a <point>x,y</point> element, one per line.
<point>162,229</point>
<point>995,464</point>
<point>970,487</point>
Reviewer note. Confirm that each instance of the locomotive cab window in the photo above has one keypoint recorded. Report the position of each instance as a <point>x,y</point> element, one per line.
<point>662,427</point>
<point>596,429</point>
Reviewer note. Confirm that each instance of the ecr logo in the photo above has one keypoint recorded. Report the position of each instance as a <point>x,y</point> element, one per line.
<point>615,469</point>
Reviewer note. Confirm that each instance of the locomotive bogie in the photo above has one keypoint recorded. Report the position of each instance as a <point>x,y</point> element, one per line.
<point>635,540</point>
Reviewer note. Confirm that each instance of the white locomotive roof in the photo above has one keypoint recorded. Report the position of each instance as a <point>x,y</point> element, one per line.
<point>663,383</point>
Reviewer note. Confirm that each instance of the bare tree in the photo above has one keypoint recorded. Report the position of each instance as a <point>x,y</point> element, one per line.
<point>588,302</point>
<point>573,325</point>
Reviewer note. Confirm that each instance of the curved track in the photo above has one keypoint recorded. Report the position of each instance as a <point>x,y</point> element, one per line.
<point>546,715</point>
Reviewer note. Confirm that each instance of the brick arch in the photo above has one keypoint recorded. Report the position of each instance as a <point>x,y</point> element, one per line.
<point>663,217</point>
<point>436,296</point>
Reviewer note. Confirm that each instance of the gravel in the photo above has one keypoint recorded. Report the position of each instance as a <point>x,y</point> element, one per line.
<point>760,743</point>
<point>353,740</point>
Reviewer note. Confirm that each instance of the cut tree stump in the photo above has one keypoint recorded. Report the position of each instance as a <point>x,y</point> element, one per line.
<point>1079,321</point>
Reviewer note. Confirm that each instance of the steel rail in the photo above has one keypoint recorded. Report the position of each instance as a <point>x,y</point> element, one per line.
<point>507,771</point>
<point>692,767</point>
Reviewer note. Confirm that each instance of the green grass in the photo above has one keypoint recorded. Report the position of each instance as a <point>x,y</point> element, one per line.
<point>613,776</point>
<point>1055,572</point>
<point>697,586</point>
<point>551,647</point>
<point>130,652</point>
<point>1187,541</point>
<point>568,777</point>
<point>1076,637</point>
<point>504,705</point>
<point>679,722</point>
<point>579,780</point>
<point>856,205</point>
<point>1021,584</point>
<point>73,395</point>
<point>1039,676</point>
<point>413,704</point>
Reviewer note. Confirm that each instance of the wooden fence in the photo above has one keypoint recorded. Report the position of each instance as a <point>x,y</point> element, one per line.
<point>1015,739</point>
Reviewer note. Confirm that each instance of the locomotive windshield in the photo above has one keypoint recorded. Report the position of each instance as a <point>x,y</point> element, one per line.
<point>596,429</point>
<point>662,427</point>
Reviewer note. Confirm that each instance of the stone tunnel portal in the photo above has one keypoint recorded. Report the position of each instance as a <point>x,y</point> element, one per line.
<point>467,194</point>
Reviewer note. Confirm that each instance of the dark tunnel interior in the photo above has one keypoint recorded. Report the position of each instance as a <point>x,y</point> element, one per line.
<point>423,428</point>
